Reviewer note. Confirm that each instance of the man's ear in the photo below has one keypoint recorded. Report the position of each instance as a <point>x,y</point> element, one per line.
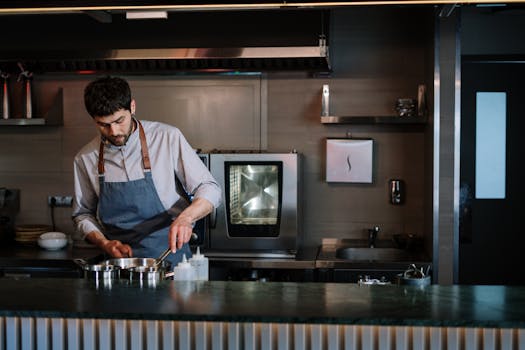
<point>133,107</point>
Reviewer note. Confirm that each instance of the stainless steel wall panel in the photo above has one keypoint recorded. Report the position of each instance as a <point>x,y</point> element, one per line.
<point>436,338</point>
<point>283,337</point>
<point>136,335</point>
<point>86,334</point>
<point>266,336</point>
<point>401,336</point>
<point>490,338</point>
<point>385,337</point>
<point>368,336</point>
<point>167,335</point>
<point>201,335</point>
<point>152,335</point>
<point>350,334</point>
<point>73,334</point>
<point>121,335</point>
<point>43,338</point>
<point>184,335</point>
<point>453,338</point>
<point>299,336</point>
<point>12,332</point>
<point>89,334</point>
<point>234,339</point>
<point>28,337</point>
<point>58,333</point>
<point>250,336</point>
<point>334,337</point>
<point>419,338</point>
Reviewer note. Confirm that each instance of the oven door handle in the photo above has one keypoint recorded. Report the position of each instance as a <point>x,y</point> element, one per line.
<point>213,218</point>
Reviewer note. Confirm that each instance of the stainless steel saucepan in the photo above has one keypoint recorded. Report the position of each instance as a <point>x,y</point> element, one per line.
<point>126,268</point>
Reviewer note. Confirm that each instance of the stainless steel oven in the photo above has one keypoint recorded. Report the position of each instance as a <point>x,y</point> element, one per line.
<point>259,215</point>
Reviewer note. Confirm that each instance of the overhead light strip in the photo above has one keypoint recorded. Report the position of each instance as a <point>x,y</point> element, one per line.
<point>247,6</point>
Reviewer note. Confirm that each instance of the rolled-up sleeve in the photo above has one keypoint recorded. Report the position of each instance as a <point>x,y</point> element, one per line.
<point>194,175</point>
<point>85,200</point>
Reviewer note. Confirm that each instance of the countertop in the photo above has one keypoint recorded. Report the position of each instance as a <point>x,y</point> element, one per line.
<point>323,256</point>
<point>285,302</point>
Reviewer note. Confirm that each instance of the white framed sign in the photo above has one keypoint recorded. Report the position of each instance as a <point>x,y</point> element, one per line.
<point>349,160</point>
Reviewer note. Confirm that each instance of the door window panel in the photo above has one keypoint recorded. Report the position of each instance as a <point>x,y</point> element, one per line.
<point>491,120</point>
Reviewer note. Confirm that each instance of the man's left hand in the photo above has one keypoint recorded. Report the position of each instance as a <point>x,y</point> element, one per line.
<point>180,232</point>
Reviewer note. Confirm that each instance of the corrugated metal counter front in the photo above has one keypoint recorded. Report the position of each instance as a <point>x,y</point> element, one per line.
<point>76,312</point>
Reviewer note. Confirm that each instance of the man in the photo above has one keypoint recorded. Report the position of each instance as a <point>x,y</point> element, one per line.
<point>129,199</point>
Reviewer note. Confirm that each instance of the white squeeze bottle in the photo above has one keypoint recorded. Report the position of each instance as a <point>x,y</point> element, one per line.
<point>183,271</point>
<point>200,264</point>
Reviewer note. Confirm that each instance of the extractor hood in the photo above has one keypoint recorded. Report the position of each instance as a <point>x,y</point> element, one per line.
<point>245,41</point>
<point>243,59</point>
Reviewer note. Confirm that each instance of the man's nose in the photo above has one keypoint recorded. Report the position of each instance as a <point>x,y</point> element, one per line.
<point>113,129</point>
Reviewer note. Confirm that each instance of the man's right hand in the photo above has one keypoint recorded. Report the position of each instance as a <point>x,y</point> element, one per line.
<point>114,248</point>
<point>117,249</point>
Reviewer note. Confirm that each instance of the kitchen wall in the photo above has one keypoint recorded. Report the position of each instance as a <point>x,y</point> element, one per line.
<point>378,55</point>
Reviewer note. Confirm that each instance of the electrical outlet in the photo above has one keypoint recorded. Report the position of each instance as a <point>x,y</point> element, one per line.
<point>60,201</point>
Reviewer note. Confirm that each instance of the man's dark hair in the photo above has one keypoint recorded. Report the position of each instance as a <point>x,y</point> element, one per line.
<point>107,95</point>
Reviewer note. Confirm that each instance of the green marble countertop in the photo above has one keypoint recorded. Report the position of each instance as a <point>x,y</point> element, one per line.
<point>341,303</point>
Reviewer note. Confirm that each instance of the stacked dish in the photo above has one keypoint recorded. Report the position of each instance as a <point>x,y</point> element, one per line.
<point>29,234</point>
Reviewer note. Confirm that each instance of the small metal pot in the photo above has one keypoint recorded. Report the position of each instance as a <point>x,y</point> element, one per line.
<point>147,275</point>
<point>101,271</point>
<point>127,263</point>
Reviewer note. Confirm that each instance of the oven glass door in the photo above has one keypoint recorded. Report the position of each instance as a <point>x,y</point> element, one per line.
<point>253,198</point>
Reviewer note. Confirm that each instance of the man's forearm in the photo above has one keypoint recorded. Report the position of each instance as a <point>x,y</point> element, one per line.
<point>198,209</point>
<point>97,238</point>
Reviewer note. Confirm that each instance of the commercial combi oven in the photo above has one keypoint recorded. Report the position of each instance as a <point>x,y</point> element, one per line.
<point>259,214</point>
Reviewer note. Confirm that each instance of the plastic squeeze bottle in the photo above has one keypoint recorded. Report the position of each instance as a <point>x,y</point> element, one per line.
<point>200,263</point>
<point>183,271</point>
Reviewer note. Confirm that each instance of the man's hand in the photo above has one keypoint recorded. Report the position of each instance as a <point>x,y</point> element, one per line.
<point>114,248</point>
<point>182,227</point>
<point>180,232</point>
<point>117,249</point>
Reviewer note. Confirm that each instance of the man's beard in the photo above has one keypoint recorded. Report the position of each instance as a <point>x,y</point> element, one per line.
<point>121,140</point>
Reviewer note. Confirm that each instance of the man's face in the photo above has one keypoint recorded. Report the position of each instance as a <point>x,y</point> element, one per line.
<point>117,127</point>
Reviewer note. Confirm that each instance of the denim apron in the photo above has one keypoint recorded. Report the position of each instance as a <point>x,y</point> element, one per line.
<point>132,212</point>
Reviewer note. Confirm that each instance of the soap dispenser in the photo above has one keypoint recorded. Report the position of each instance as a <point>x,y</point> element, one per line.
<point>183,271</point>
<point>200,263</point>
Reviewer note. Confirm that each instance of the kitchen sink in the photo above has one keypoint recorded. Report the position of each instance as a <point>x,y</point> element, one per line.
<point>367,254</point>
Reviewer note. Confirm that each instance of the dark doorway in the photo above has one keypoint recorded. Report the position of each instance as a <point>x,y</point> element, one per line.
<point>492,237</point>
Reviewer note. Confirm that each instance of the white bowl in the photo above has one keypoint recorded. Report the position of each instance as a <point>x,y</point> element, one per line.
<point>52,240</point>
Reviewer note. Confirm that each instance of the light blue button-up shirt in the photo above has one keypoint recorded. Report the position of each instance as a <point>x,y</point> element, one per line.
<point>170,155</point>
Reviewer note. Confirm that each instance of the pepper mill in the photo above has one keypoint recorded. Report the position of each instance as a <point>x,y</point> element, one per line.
<point>26,77</point>
<point>5,95</point>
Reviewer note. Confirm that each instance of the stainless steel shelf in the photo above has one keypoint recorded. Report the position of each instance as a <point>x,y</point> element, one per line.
<point>52,117</point>
<point>23,121</point>
<point>372,120</point>
<point>420,118</point>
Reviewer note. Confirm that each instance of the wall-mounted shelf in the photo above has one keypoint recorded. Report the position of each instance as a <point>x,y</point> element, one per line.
<point>23,121</point>
<point>54,116</point>
<point>419,118</point>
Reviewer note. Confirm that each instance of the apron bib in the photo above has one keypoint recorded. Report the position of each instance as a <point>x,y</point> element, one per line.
<point>132,212</point>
